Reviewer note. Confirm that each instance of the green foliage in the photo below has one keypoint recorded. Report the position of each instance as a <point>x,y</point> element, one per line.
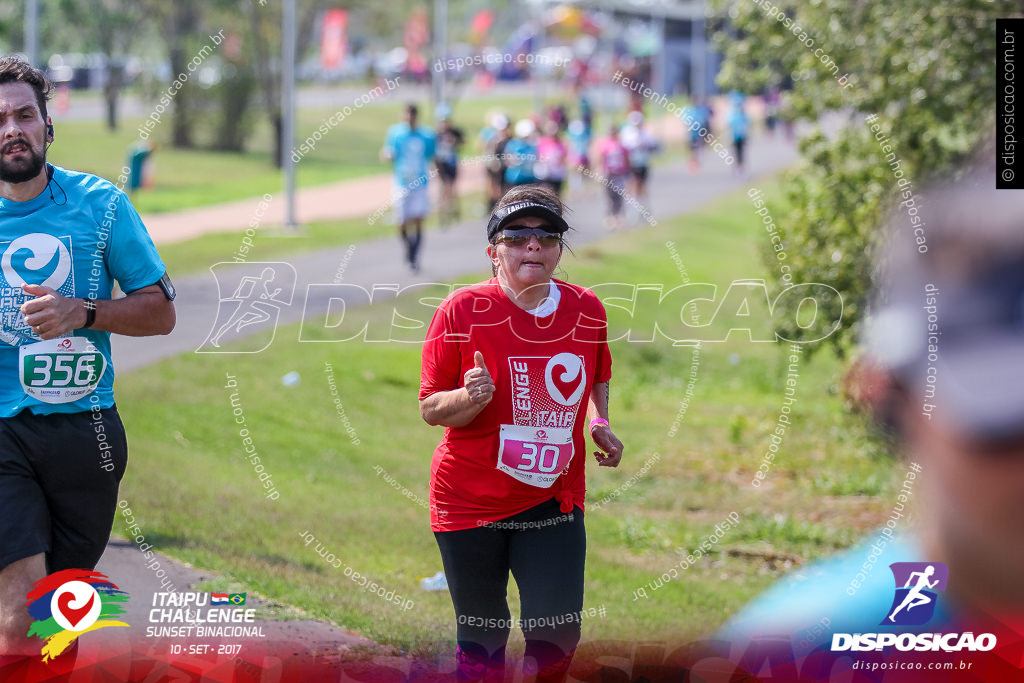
<point>925,69</point>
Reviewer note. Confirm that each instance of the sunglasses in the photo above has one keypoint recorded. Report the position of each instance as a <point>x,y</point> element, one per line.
<point>520,237</point>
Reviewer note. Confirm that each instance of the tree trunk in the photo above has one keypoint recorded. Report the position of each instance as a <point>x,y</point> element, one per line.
<point>279,150</point>
<point>181,122</point>
<point>183,23</point>
<point>112,91</point>
<point>235,91</point>
<point>271,85</point>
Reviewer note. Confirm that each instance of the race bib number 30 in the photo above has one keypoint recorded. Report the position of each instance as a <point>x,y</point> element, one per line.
<point>60,370</point>
<point>546,395</point>
<point>534,456</point>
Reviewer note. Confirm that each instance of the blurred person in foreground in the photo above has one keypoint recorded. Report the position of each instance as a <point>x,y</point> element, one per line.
<point>951,318</point>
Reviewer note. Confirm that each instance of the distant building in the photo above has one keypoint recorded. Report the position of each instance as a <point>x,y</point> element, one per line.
<point>667,38</point>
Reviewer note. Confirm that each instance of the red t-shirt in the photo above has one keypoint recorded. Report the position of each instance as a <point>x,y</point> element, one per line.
<point>513,455</point>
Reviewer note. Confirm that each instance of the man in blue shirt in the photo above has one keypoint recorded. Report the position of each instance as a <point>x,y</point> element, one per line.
<point>410,148</point>
<point>944,373</point>
<point>65,238</point>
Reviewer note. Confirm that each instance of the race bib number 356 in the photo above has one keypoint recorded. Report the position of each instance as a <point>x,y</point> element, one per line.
<point>60,370</point>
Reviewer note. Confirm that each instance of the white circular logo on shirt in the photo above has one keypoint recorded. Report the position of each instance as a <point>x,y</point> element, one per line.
<point>565,378</point>
<point>45,249</point>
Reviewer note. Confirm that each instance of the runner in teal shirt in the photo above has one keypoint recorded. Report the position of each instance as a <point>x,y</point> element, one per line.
<point>410,148</point>
<point>78,244</point>
<point>65,239</point>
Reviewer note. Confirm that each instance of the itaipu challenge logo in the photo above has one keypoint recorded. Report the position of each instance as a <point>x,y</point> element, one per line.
<point>917,587</point>
<point>68,603</point>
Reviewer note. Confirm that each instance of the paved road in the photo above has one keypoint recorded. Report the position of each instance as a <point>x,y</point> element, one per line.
<point>356,198</point>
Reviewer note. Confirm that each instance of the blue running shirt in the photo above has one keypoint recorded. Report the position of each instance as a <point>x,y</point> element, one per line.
<point>77,243</point>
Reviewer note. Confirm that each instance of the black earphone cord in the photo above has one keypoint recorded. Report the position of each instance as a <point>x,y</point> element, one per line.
<point>50,179</point>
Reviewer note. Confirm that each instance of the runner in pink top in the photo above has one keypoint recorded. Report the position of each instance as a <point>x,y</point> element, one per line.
<point>552,154</point>
<point>614,161</point>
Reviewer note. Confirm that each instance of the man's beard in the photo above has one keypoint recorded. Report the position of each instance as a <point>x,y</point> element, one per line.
<point>22,170</point>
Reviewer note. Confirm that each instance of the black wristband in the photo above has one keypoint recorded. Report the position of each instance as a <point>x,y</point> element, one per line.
<point>90,313</point>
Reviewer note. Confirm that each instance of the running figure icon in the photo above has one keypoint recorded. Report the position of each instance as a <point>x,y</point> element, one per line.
<point>250,294</point>
<point>914,596</point>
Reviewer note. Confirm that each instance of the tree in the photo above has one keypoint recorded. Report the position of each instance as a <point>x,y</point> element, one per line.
<point>265,27</point>
<point>269,77</point>
<point>182,22</point>
<point>112,26</point>
<point>924,70</point>
<point>378,19</point>
<point>200,34</point>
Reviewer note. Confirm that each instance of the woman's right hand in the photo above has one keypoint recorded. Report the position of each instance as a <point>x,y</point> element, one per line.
<point>478,381</point>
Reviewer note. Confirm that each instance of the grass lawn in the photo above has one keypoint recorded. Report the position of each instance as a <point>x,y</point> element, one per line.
<point>197,497</point>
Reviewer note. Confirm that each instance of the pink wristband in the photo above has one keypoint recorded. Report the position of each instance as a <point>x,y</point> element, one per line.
<point>597,422</point>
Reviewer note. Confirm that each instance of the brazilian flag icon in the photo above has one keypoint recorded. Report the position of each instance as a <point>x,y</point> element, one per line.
<point>237,598</point>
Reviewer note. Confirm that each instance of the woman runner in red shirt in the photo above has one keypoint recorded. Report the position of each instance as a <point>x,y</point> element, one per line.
<point>513,368</point>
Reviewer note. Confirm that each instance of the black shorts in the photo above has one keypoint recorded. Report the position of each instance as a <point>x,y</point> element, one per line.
<point>639,173</point>
<point>448,172</point>
<point>58,486</point>
<point>545,551</point>
<point>614,188</point>
<point>739,144</point>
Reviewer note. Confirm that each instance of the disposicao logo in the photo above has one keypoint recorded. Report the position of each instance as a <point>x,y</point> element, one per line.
<point>914,602</point>
<point>918,585</point>
<point>68,603</point>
